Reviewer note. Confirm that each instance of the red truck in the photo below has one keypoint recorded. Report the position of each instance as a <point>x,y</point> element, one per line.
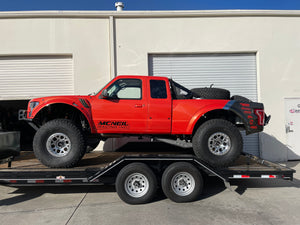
<point>143,106</point>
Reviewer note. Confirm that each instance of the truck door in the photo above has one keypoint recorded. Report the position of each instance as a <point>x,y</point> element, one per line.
<point>123,109</point>
<point>159,107</point>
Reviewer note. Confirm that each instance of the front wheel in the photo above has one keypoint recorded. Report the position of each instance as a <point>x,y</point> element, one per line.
<point>59,144</point>
<point>218,142</point>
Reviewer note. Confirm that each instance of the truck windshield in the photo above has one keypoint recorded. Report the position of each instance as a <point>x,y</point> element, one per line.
<point>96,93</point>
<point>179,91</point>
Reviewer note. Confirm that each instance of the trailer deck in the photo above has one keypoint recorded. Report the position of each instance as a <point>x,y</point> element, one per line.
<point>102,167</point>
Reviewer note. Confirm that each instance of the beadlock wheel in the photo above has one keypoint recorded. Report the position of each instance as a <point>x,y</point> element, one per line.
<point>183,184</point>
<point>219,143</point>
<point>58,144</point>
<point>136,185</point>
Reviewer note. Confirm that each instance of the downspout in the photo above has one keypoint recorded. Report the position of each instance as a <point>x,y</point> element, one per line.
<point>113,74</point>
<point>112,47</point>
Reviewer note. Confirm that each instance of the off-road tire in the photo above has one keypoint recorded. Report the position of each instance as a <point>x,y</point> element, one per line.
<point>143,172</point>
<point>202,142</point>
<point>68,129</point>
<point>211,93</point>
<point>186,190</point>
<point>240,98</point>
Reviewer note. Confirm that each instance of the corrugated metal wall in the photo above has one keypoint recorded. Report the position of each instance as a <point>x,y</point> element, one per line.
<point>235,72</point>
<point>27,76</point>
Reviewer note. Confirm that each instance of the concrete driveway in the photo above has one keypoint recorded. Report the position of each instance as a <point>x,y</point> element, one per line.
<point>250,202</point>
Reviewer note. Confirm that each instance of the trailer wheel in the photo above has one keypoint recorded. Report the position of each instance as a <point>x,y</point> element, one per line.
<point>59,144</point>
<point>218,142</point>
<point>182,182</point>
<point>136,183</point>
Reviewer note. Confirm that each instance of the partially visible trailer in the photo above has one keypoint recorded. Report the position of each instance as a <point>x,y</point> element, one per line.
<point>138,176</point>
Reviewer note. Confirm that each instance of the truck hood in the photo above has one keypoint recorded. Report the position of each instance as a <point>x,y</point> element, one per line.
<point>59,97</point>
<point>81,102</point>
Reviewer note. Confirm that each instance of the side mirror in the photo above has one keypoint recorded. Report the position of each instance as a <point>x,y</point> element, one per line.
<point>104,94</point>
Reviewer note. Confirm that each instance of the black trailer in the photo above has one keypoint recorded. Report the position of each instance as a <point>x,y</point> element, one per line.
<point>137,176</point>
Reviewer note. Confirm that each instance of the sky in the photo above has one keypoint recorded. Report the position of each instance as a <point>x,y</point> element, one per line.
<point>29,5</point>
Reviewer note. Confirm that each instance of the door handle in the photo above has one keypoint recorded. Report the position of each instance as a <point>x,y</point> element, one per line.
<point>138,106</point>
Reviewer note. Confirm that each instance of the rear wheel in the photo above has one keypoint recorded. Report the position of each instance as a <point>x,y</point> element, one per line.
<point>182,182</point>
<point>136,184</point>
<point>59,143</point>
<point>218,142</point>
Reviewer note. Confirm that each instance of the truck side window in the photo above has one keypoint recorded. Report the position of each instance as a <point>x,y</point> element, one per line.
<point>180,92</point>
<point>125,89</point>
<point>158,89</point>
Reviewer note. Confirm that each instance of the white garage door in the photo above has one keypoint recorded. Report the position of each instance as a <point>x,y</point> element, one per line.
<point>235,72</point>
<point>25,77</point>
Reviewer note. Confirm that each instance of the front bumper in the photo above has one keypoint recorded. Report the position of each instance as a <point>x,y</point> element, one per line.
<point>22,114</point>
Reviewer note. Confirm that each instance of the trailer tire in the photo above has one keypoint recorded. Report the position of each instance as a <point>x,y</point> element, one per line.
<point>59,144</point>
<point>136,184</point>
<point>182,182</point>
<point>218,142</point>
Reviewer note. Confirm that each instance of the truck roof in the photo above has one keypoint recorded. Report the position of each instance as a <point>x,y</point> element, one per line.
<point>142,76</point>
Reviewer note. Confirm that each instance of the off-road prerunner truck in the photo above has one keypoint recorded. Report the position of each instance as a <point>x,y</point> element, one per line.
<point>143,106</point>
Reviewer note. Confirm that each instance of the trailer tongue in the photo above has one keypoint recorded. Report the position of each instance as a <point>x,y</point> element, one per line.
<point>136,175</point>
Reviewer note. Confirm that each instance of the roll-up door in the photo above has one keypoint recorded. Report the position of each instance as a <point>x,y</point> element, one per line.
<point>235,72</point>
<point>24,77</point>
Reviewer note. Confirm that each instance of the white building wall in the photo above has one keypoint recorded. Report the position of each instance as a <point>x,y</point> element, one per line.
<point>87,40</point>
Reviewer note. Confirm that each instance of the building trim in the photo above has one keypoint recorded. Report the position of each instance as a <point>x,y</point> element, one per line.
<point>151,14</point>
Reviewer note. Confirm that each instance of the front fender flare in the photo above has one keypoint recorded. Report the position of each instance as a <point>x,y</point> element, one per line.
<point>76,105</point>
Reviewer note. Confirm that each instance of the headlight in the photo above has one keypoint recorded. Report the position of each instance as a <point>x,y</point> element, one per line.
<point>33,105</point>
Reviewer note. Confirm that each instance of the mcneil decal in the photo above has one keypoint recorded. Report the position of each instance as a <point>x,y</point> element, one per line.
<point>113,125</point>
